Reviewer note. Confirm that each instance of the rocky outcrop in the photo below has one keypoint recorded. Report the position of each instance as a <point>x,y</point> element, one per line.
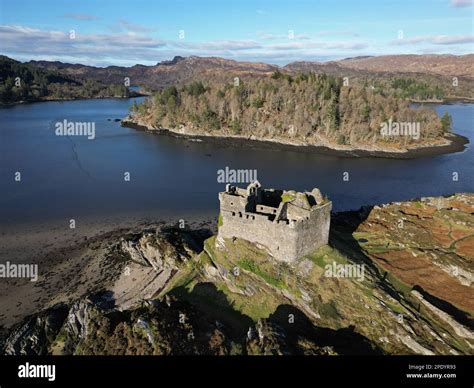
<point>177,327</point>
<point>234,299</point>
<point>78,319</point>
<point>153,250</point>
<point>459,329</point>
<point>156,259</point>
<point>415,240</point>
<point>34,335</point>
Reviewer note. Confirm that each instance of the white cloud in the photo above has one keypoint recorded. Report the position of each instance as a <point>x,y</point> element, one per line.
<point>127,47</point>
<point>217,45</point>
<point>131,45</point>
<point>461,3</point>
<point>25,41</point>
<point>319,45</point>
<point>436,39</point>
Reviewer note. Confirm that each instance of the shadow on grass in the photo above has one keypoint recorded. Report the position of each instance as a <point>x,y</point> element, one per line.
<point>344,341</point>
<point>343,225</point>
<point>213,305</point>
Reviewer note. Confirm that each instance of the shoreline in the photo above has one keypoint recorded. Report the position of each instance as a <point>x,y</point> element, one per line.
<point>31,241</point>
<point>79,258</point>
<point>446,101</point>
<point>24,102</point>
<point>69,257</point>
<point>26,242</point>
<point>457,144</point>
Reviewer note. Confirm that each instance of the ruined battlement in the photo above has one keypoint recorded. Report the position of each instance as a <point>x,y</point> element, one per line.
<point>289,224</point>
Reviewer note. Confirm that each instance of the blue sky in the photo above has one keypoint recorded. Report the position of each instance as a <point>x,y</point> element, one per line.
<point>125,32</point>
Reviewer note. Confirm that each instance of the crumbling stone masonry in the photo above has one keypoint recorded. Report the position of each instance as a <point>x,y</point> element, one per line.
<point>288,224</point>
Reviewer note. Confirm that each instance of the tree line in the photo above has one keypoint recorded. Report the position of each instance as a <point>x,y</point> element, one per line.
<point>310,107</point>
<point>26,82</point>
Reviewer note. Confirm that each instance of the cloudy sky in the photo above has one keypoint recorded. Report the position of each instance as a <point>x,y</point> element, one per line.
<point>126,32</point>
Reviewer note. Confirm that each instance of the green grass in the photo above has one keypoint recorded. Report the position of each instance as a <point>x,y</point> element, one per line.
<point>318,258</point>
<point>395,308</point>
<point>368,292</point>
<point>183,279</point>
<point>405,289</point>
<point>325,255</point>
<point>253,267</point>
<point>258,306</point>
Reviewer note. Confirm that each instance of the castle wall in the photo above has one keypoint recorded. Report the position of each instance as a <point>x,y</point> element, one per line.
<point>286,241</point>
<point>234,203</point>
<point>266,209</point>
<point>295,212</point>
<point>279,238</point>
<point>314,232</point>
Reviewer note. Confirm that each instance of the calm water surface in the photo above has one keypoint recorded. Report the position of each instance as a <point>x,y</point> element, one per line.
<point>72,177</point>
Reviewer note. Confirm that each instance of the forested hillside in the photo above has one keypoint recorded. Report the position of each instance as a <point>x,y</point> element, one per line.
<point>27,82</point>
<point>312,108</point>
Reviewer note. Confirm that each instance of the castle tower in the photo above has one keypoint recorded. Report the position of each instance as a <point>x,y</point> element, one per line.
<point>289,224</point>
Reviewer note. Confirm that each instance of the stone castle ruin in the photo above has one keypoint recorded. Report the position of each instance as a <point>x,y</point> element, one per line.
<point>288,224</point>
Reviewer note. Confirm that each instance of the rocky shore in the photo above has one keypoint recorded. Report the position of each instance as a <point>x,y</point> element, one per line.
<point>133,94</point>
<point>450,144</point>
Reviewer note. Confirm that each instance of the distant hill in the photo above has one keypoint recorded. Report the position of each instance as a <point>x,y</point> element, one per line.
<point>433,70</point>
<point>179,70</point>
<point>426,71</point>
<point>38,81</point>
<point>446,65</point>
<point>333,68</point>
<point>425,77</point>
